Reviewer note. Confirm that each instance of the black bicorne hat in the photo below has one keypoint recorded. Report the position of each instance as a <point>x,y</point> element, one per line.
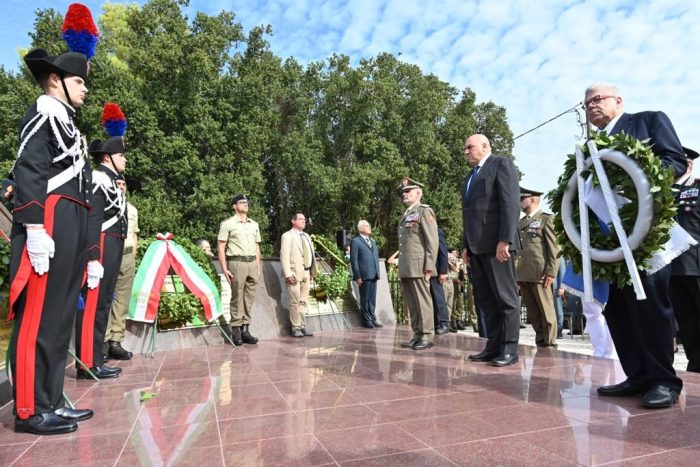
<point>40,64</point>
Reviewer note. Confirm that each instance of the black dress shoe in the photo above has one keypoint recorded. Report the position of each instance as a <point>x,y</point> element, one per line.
<point>625,388</point>
<point>45,424</point>
<point>504,360</point>
<point>411,343</point>
<point>306,332</point>
<point>75,415</point>
<point>377,324</point>
<point>117,352</point>
<point>442,329</point>
<point>368,324</point>
<point>483,356</point>
<point>659,397</point>
<point>422,344</point>
<point>101,372</point>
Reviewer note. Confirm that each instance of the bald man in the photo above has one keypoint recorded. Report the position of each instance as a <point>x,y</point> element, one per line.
<point>490,212</point>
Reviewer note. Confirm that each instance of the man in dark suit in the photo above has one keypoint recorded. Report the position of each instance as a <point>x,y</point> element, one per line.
<point>685,270</point>
<point>642,330</point>
<point>490,212</point>
<point>364,260</point>
<point>440,313</point>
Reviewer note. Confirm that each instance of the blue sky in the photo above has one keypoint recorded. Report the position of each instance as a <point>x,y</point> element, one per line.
<point>535,58</point>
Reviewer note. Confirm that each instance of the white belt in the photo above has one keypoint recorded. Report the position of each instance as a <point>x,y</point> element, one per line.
<point>109,223</point>
<point>64,177</point>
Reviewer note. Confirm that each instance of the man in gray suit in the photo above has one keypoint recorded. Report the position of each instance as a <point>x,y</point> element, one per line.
<point>490,212</point>
<point>364,260</point>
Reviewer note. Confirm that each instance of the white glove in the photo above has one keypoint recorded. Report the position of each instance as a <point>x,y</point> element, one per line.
<point>40,247</point>
<point>95,271</point>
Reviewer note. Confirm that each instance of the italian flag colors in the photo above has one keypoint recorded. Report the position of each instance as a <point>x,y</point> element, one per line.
<point>160,256</point>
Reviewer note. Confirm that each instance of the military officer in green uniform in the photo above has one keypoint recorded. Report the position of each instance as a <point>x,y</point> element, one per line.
<point>537,266</point>
<point>239,254</point>
<point>418,247</point>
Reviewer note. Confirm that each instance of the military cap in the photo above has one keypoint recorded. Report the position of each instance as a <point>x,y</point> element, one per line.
<point>238,198</point>
<point>689,153</point>
<point>408,184</point>
<point>525,193</point>
<point>40,64</point>
<point>114,145</point>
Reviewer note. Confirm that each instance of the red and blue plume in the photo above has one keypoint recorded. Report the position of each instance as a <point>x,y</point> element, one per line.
<point>79,30</point>
<point>113,120</point>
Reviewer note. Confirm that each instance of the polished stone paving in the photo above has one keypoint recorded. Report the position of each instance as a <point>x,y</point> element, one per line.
<point>356,398</point>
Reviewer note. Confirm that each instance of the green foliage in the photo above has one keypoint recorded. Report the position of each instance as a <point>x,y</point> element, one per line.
<point>177,309</point>
<point>335,284</point>
<point>213,112</point>
<point>661,180</point>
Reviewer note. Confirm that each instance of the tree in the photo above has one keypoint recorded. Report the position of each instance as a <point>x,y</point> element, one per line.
<point>213,112</point>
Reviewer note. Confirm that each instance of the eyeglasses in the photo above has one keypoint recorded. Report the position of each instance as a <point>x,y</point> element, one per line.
<point>595,100</point>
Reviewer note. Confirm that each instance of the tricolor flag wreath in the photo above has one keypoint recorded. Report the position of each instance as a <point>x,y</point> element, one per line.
<point>160,256</point>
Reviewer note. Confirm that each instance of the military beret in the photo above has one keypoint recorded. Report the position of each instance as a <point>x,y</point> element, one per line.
<point>238,198</point>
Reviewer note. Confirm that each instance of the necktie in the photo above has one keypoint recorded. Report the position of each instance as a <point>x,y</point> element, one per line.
<point>305,249</point>
<point>470,183</point>
<point>369,242</point>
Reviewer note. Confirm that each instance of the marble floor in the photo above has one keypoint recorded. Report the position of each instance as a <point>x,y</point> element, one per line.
<point>356,398</point>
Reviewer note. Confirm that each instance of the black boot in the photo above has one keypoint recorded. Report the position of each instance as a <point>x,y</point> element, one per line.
<point>228,336</point>
<point>460,325</point>
<point>117,352</point>
<point>246,336</point>
<point>236,335</point>
<point>452,326</point>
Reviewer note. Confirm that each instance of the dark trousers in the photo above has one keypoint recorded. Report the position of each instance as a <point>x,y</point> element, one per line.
<point>497,297</point>
<point>368,299</point>
<point>685,297</point>
<point>45,309</point>
<point>642,331</point>
<point>440,313</point>
<point>91,324</point>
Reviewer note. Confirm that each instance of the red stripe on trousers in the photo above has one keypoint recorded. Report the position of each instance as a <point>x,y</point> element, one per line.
<point>87,332</point>
<point>31,318</point>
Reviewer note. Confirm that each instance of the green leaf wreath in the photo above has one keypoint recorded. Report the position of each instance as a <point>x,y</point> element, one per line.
<point>661,180</point>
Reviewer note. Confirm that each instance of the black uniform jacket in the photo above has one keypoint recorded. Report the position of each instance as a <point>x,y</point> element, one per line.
<point>35,167</point>
<point>688,216</point>
<point>106,202</point>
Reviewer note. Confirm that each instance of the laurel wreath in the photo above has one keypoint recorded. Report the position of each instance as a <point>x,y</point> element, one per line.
<point>661,180</point>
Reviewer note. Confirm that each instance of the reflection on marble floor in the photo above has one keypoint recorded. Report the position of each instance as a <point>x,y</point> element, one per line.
<point>357,398</point>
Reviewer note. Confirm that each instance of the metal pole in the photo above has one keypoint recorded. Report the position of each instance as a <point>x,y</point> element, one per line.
<point>75,357</point>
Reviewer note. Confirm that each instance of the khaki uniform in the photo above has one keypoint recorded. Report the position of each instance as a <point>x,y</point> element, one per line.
<point>242,239</point>
<point>125,279</point>
<point>449,288</point>
<point>538,257</point>
<point>458,300</point>
<point>297,259</point>
<point>418,248</point>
